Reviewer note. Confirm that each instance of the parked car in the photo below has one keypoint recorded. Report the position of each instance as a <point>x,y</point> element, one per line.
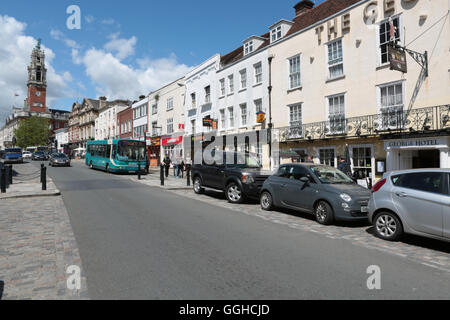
<point>13,155</point>
<point>59,159</point>
<point>412,201</point>
<point>39,156</point>
<point>239,175</point>
<point>321,190</point>
<point>27,155</point>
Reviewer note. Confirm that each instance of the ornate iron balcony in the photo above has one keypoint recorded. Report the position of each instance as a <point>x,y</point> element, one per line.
<point>390,120</point>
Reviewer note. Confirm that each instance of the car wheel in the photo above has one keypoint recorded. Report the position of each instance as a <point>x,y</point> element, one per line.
<point>49,164</point>
<point>234,193</point>
<point>324,213</point>
<point>388,226</point>
<point>266,201</point>
<point>198,186</point>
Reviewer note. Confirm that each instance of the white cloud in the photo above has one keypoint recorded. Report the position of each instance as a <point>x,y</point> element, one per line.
<point>123,48</point>
<point>109,21</point>
<point>58,35</point>
<point>14,58</point>
<point>89,18</point>
<point>117,80</point>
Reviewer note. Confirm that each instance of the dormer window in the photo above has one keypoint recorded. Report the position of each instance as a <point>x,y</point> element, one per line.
<point>276,34</point>
<point>248,47</point>
<point>279,30</point>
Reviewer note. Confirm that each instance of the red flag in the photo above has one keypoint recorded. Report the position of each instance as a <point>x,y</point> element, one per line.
<point>392,30</point>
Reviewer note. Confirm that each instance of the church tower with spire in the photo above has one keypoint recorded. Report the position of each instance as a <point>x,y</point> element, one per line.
<point>37,81</point>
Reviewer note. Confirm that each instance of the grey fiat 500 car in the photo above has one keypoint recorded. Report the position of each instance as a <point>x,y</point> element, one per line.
<point>321,190</point>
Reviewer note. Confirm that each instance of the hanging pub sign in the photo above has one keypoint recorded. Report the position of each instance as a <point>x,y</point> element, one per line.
<point>260,117</point>
<point>397,58</point>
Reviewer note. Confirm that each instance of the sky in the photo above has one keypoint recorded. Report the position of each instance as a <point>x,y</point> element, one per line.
<point>123,49</point>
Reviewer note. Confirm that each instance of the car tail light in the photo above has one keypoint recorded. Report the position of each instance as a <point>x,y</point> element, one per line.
<point>378,185</point>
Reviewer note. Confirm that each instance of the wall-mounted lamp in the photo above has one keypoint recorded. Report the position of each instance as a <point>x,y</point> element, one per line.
<point>358,42</point>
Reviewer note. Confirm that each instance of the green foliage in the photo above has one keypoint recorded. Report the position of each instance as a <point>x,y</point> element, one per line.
<point>33,132</point>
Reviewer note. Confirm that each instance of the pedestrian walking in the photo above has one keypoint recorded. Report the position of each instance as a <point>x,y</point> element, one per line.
<point>167,163</point>
<point>182,168</point>
<point>175,167</point>
<point>344,166</point>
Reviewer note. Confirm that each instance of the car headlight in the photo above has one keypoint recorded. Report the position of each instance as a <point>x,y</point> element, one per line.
<point>247,179</point>
<point>346,197</point>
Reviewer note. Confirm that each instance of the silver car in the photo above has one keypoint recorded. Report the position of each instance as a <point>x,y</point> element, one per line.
<point>412,201</point>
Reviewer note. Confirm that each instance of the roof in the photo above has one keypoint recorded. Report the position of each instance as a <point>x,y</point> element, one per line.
<point>238,54</point>
<point>318,13</point>
<point>302,21</point>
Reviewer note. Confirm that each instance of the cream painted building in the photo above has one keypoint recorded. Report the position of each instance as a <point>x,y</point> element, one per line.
<point>167,119</point>
<point>333,87</point>
<point>106,124</point>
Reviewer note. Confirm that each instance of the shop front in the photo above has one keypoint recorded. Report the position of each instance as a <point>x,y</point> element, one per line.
<point>173,147</point>
<point>366,156</point>
<point>154,151</point>
<point>417,153</point>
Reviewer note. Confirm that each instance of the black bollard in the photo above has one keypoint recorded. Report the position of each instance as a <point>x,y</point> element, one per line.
<point>44,181</point>
<point>10,176</point>
<point>3,179</point>
<point>188,175</point>
<point>162,174</point>
<point>42,172</point>
<point>139,170</point>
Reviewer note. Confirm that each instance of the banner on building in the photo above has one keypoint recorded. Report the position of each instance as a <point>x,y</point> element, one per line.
<point>171,141</point>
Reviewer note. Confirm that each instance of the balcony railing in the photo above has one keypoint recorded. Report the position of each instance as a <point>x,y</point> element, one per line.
<point>388,121</point>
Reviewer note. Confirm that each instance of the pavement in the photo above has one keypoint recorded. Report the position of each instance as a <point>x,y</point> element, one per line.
<point>26,183</point>
<point>37,242</point>
<point>145,242</point>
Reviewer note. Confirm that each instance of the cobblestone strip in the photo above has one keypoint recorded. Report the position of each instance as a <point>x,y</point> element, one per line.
<point>37,246</point>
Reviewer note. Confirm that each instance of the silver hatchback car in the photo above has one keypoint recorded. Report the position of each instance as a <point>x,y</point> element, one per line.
<point>412,201</point>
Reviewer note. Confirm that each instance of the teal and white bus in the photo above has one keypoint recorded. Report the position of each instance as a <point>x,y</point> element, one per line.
<point>120,155</point>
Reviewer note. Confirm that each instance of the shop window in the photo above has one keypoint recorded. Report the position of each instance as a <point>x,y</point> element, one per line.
<point>362,161</point>
<point>327,157</point>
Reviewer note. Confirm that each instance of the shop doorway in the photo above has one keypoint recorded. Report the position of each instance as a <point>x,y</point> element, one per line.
<point>427,159</point>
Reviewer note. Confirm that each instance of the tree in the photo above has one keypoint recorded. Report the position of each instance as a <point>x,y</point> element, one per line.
<point>33,132</point>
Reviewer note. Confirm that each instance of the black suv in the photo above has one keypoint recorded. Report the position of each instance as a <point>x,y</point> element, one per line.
<point>239,175</point>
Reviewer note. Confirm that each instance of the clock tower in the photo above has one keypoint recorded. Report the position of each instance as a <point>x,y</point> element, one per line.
<point>37,81</point>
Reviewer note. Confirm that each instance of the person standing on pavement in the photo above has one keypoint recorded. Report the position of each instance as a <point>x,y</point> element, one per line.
<point>175,167</point>
<point>344,166</point>
<point>182,168</point>
<point>167,163</point>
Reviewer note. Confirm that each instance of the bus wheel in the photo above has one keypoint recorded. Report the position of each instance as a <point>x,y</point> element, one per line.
<point>107,168</point>
<point>91,166</point>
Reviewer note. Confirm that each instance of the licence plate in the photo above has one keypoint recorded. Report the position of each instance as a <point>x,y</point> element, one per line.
<point>364,209</point>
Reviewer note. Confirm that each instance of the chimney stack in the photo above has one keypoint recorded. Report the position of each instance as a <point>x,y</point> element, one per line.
<point>303,6</point>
